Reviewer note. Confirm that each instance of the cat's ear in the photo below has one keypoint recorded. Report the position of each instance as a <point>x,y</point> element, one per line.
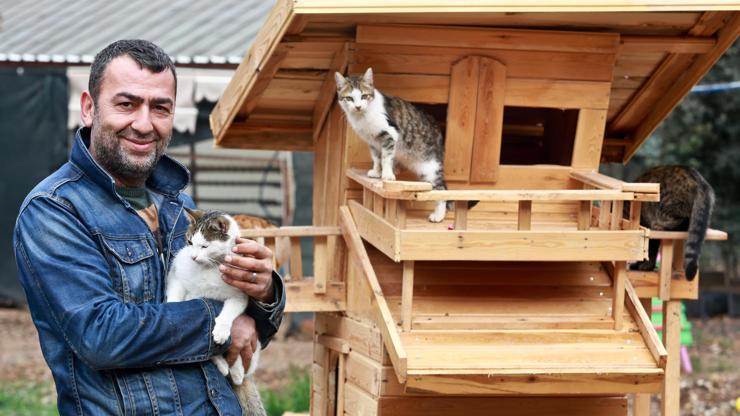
<point>194,214</point>
<point>340,80</point>
<point>368,77</point>
<point>220,225</point>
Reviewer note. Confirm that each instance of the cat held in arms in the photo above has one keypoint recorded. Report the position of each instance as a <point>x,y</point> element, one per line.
<point>686,203</point>
<point>397,132</point>
<point>194,274</point>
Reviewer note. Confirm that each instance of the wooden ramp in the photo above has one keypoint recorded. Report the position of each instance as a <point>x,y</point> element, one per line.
<point>502,328</point>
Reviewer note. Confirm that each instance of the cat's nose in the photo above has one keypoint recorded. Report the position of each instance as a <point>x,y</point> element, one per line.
<point>358,107</point>
<point>194,257</point>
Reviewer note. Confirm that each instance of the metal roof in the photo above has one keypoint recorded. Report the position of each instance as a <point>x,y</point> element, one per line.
<point>70,32</point>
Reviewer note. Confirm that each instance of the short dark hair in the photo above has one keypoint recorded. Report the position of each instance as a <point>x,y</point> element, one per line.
<point>145,53</point>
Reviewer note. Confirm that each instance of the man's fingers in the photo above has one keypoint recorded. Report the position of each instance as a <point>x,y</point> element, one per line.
<point>251,248</point>
<point>231,355</point>
<point>247,353</point>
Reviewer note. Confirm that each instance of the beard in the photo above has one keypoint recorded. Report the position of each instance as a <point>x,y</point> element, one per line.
<point>114,159</point>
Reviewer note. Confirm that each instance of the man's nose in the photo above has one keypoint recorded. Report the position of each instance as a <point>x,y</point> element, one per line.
<point>143,121</point>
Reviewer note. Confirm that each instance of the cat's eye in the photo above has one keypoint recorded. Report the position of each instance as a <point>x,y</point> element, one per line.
<point>204,246</point>
<point>365,96</point>
<point>348,98</point>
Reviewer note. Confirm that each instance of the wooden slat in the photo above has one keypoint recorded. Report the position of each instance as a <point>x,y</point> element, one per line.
<point>461,215</point>
<point>290,231</point>
<point>461,124</point>
<point>524,217</point>
<point>670,44</point>
<point>377,231</point>
<point>647,283</point>
<point>320,264</point>
<point>385,321</point>
<point>512,39</point>
<point>489,121</point>
<point>263,80</point>
<point>296,261</point>
<point>584,215</point>
<point>333,343</point>
<point>266,140</point>
<point>666,269</point>
<point>712,234</point>
<point>619,277</point>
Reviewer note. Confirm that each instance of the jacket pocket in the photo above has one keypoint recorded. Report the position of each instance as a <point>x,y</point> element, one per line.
<point>132,263</point>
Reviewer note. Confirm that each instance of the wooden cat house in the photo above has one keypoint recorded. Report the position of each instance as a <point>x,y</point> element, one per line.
<point>524,304</point>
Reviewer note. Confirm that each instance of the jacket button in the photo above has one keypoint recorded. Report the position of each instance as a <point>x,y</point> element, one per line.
<point>214,393</point>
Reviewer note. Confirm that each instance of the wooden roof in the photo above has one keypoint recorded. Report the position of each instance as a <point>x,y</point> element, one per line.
<point>282,91</point>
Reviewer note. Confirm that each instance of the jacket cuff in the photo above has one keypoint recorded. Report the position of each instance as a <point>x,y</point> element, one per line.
<point>268,317</point>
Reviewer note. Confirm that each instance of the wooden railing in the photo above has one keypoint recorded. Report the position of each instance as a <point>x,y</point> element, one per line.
<point>323,290</point>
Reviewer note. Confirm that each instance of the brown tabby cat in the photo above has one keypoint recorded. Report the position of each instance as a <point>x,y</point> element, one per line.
<point>686,203</point>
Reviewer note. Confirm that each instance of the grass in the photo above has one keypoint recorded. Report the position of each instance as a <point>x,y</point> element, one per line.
<point>294,397</point>
<point>25,398</point>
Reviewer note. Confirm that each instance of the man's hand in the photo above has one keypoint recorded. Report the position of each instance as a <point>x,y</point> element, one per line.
<point>243,340</point>
<point>250,270</point>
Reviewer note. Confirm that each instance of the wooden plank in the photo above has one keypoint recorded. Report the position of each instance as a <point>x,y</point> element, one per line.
<point>378,203</point>
<point>301,297</point>
<point>377,231</point>
<point>439,10</point>
<point>619,277</point>
<point>407,295</point>
<point>489,121</point>
<point>634,219</point>
<point>666,269</point>
<point>362,337</point>
<point>605,215</point>
<point>671,44</point>
<point>641,402</point>
<point>511,39</point>
<point>385,320</point>
<point>266,74</point>
<point>461,118</point>
<point>510,406</point>
<point>296,261</point>
<point>601,181</point>
<point>584,215</point>
<point>266,140</point>
<point>391,210</point>
<point>520,246</point>
<point>616,220</point>
<point>358,402</point>
<point>320,261</point>
<point>589,138</point>
<point>553,93</point>
<point>555,383</point>
<point>514,195</point>
<point>524,217</point>
<point>247,73</point>
<point>329,88</point>
<point>432,89</point>
<point>647,330</point>
<point>671,394</point>
<point>341,382</point>
<point>646,285</point>
<point>712,234</point>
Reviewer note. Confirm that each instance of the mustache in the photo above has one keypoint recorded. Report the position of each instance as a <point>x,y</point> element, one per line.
<point>132,134</point>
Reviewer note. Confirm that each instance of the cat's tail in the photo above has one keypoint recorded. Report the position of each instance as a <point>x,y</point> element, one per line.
<point>701,213</point>
<point>249,397</point>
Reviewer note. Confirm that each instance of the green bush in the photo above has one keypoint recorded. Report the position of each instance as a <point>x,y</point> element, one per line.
<point>27,399</point>
<point>295,397</point>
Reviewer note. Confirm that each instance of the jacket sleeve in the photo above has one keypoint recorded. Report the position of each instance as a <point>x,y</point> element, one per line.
<point>69,289</point>
<point>267,317</point>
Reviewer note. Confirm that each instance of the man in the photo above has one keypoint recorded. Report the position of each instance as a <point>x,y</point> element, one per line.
<point>93,243</point>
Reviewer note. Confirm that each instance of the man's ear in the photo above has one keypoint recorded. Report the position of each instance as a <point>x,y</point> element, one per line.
<point>87,108</point>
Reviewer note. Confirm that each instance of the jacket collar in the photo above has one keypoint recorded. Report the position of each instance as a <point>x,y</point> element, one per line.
<point>169,176</point>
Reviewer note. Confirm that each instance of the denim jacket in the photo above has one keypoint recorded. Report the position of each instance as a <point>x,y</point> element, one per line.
<point>94,281</point>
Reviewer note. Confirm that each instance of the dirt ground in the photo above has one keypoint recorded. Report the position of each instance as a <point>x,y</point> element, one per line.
<point>711,390</point>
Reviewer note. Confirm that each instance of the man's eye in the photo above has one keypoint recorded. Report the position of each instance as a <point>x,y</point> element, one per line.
<point>125,105</point>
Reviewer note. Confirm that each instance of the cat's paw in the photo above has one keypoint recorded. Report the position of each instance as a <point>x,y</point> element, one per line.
<point>436,216</point>
<point>221,365</point>
<point>388,176</point>
<point>372,173</point>
<point>237,374</point>
<point>221,333</point>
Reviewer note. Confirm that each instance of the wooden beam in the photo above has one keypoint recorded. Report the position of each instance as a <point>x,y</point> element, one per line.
<point>302,142</point>
<point>301,297</point>
<point>461,215</point>
<point>407,295</point>
<point>247,73</point>
<point>671,44</point>
<point>584,215</point>
<point>645,325</point>
<point>619,277</point>
<point>666,269</point>
<point>334,343</point>
<point>524,217</point>
<point>267,72</point>
<point>589,139</point>
<point>320,264</point>
<point>291,231</point>
<point>385,321</point>
<point>461,111</point>
<point>329,88</point>
<point>671,397</point>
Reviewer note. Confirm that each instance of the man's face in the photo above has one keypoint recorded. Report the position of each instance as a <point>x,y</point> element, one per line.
<point>131,122</point>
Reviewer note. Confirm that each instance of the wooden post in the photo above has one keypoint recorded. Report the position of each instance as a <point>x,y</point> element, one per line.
<point>401,214</point>
<point>378,205</point>
<point>584,215</point>
<point>525,215</point>
<point>605,212</point>
<point>367,198</point>
<point>391,210</point>
<point>321,259</point>
<point>635,215</point>
<point>666,269</point>
<point>296,261</point>
<point>407,294</point>
<point>271,243</point>
<point>642,401</point>
<point>461,215</point>
<point>620,274</point>
<point>678,246</point>
<point>340,384</point>
<point>672,340</point>
<point>616,221</point>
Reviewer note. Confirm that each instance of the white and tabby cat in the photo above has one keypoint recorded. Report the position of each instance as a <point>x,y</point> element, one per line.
<point>194,274</point>
<point>396,131</point>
